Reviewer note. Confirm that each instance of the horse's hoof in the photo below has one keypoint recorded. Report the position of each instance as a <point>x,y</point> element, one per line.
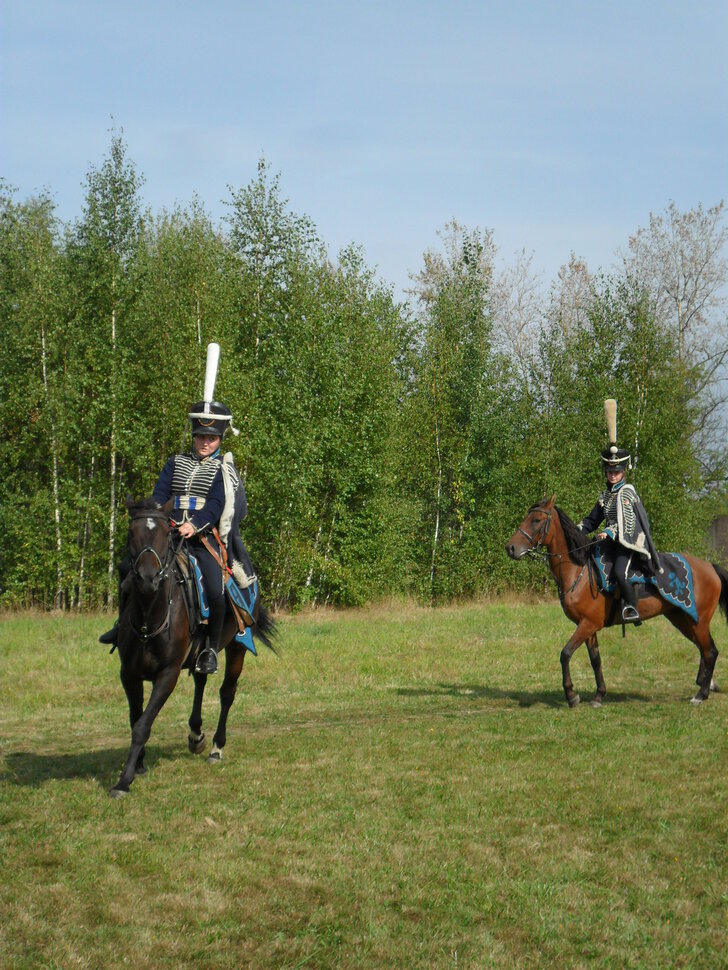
<point>118,792</point>
<point>714,687</point>
<point>196,745</point>
<point>139,771</point>
<point>573,701</point>
<point>595,702</point>
<point>214,757</point>
<point>696,700</point>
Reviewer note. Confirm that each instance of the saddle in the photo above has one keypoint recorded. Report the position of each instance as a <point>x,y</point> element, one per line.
<point>193,591</point>
<point>674,583</point>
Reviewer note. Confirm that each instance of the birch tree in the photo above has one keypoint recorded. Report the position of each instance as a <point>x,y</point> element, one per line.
<point>452,290</point>
<point>102,248</point>
<point>681,261</point>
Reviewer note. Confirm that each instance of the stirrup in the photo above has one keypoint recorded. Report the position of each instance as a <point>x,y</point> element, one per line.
<point>206,661</point>
<point>630,615</point>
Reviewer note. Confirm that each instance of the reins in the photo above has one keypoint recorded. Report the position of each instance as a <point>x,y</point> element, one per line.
<point>536,551</point>
<point>144,633</point>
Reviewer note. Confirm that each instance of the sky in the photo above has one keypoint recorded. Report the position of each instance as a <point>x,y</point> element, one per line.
<point>558,126</point>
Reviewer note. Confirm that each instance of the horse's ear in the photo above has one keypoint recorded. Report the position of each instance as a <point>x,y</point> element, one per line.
<point>168,506</point>
<point>552,499</point>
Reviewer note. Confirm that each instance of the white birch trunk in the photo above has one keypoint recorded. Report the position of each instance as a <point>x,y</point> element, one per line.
<point>112,465</point>
<point>328,553</point>
<point>439,495</point>
<point>84,541</point>
<point>313,557</point>
<point>60,591</point>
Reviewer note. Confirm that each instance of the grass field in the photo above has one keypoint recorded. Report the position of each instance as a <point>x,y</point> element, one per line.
<point>401,788</point>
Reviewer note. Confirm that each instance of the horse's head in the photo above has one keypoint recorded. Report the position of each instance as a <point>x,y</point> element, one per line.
<point>533,531</point>
<point>148,545</point>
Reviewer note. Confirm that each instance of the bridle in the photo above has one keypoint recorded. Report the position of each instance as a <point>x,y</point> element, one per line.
<point>158,579</point>
<point>162,573</point>
<point>538,538</point>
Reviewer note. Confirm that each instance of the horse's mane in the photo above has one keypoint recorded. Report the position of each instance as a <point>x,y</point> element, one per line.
<point>140,505</point>
<point>577,543</point>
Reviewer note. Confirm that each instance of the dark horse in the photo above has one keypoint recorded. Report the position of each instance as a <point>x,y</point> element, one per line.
<point>570,560</point>
<point>154,640</point>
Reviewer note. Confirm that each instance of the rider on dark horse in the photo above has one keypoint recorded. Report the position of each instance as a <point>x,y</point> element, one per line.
<point>208,494</point>
<point>627,528</point>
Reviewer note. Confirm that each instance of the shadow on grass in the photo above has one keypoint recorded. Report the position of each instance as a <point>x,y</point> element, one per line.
<point>551,698</point>
<point>28,769</point>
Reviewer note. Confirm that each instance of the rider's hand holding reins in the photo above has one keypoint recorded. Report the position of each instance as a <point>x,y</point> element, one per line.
<point>186,530</point>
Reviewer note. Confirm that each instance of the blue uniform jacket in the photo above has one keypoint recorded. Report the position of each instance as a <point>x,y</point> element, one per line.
<point>204,518</point>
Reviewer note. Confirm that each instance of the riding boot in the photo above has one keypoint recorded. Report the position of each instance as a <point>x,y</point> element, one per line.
<point>111,635</point>
<point>207,658</point>
<point>629,604</point>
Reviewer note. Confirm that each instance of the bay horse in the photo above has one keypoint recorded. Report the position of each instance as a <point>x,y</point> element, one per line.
<point>154,638</point>
<point>567,549</point>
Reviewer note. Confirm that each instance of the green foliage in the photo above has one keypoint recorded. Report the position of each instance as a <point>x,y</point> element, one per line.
<point>101,255</point>
<point>386,448</point>
<point>450,371</point>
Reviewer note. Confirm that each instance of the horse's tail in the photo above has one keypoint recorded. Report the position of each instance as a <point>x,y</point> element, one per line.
<point>265,627</point>
<point>723,574</point>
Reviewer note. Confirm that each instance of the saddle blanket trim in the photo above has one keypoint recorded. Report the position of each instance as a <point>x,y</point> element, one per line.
<point>204,606</point>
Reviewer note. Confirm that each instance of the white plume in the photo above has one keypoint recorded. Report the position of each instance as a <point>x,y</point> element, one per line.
<point>213,359</point>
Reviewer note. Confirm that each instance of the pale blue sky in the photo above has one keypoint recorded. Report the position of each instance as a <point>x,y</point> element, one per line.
<point>558,125</point>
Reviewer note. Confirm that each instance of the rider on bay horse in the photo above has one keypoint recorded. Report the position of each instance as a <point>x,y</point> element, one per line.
<point>627,528</point>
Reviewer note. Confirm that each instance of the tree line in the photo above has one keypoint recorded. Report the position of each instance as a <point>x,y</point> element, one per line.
<point>388,448</point>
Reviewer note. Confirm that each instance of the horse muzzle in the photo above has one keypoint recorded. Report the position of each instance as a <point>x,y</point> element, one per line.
<point>515,549</point>
<point>149,572</point>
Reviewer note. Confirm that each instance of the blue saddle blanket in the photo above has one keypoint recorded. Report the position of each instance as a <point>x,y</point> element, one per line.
<point>674,583</point>
<point>244,598</point>
<point>248,598</point>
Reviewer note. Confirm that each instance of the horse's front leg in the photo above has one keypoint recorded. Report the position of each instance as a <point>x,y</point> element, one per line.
<point>134,689</point>
<point>583,632</point>
<point>596,662</point>
<point>141,727</point>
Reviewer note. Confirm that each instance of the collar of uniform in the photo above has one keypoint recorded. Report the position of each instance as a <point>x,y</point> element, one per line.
<point>193,454</point>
